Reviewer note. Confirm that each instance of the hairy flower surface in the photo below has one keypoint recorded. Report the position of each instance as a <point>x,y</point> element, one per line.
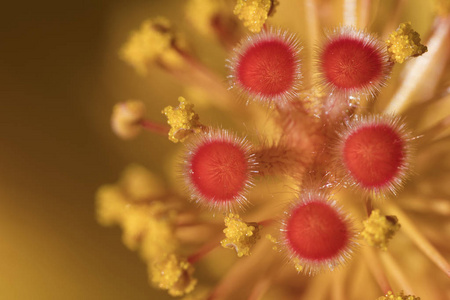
<point>317,233</point>
<point>326,171</point>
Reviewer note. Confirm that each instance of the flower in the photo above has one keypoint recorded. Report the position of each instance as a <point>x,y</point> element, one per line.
<point>339,164</point>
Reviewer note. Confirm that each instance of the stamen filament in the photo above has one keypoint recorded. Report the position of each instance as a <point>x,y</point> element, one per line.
<point>419,239</point>
<point>364,15</point>
<point>203,251</point>
<point>154,127</point>
<point>395,270</point>
<point>239,274</point>
<point>394,19</point>
<point>349,13</point>
<point>260,288</point>
<point>434,131</point>
<point>196,234</point>
<point>435,206</point>
<point>319,289</point>
<point>201,76</point>
<point>338,285</point>
<point>312,19</point>
<point>374,263</point>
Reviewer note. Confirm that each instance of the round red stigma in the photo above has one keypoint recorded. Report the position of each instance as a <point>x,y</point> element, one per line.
<point>375,153</point>
<point>266,67</point>
<point>353,61</point>
<point>219,168</point>
<point>317,233</point>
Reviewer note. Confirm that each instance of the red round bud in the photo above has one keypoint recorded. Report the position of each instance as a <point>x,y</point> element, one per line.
<point>317,233</point>
<point>375,153</point>
<point>266,67</point>
<point>353,61</point>
<point>219,168</point>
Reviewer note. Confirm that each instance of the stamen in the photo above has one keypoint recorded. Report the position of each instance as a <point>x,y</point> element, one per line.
<point>434,131</point>
<point>400,296</point>
<point>379,229</point>
<point>183,121</point>
<point>254,13</point>
<point>350,13</point>
<point>240,235</point>
<point>424,72</point>
<point>126,118</point>
<point>404,43</point>
<point>421,242</point>
<point>396,271</point>
<point>155,42</point>
<point>373,261</point>
<point>174,274</point>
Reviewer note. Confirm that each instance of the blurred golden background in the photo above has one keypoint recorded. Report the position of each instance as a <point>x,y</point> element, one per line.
<point>60,74</point>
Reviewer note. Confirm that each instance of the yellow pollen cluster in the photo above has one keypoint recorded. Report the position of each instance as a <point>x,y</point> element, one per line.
<point>253,13</point>
<point>404,43</point>
<point>155,41</point>
<point>201,14</point>
<point>240,235</point>
<point>160,237</point>
<point>401,296</point>
<point>183,120</point>
<point>141,184</point>
<point>378,229</point>
<point>126,117</point>
<point>148,224</point>
<point>173,274</point>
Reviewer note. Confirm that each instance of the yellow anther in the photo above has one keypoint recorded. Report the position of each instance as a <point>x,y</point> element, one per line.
<point>160,237</point>
<point>240,235</point>
<point>254,13</point>
<point>152,223</point>
<point>140,184</point>
<point>111,205</point>
<point>201,14</point>
<point>151,227</point>
<point>126,117</point>
<point>404,43</point>
<point>174,274</point>
<point>133,204</point>
<point>183,120</point>
<point>155,41</point>
<point>401,296</point>
<point>379,229</point>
